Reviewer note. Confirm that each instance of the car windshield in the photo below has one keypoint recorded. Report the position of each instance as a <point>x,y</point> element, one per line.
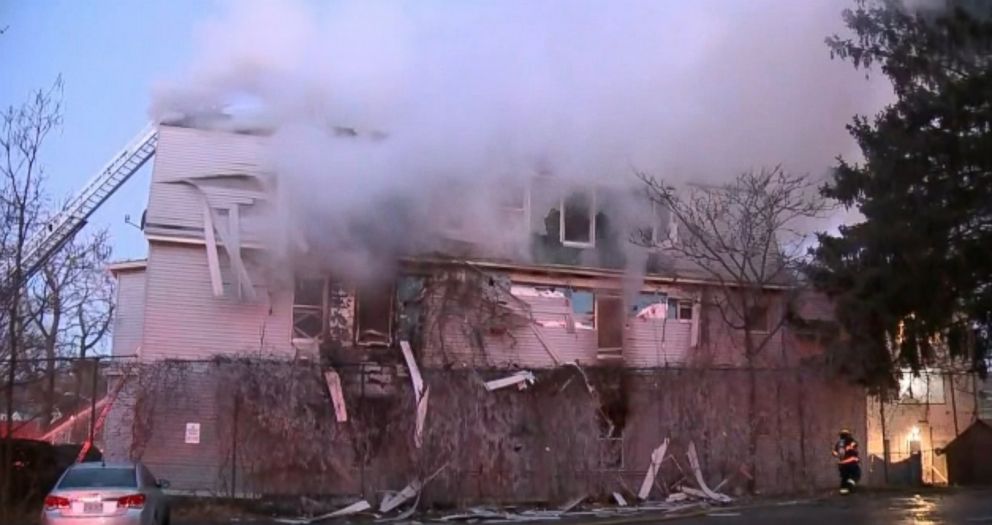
<point>99,477</point>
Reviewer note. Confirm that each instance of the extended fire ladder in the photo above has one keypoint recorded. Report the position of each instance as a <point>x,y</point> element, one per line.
<point>64,225</point>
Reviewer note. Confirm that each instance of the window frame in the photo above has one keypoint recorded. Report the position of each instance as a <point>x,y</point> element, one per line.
<point>591,243</point>
<point>679,304</point>
<point>321,311</point>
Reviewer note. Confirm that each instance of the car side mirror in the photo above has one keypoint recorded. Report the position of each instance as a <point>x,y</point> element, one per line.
<point>163,484</point>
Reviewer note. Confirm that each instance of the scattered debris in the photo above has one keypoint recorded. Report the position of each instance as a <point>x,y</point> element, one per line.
<point>619,499</point>
<point>521,379</point>
<point>354,508</point>
<point>392,501</point>
<point>675,497</point>
<point>572,503</point>
<point>333,381</point>
<point>698,472</point>
<point>657,456</point>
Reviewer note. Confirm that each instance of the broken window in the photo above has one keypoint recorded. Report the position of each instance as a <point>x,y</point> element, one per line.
<point>650,305</point>
<point>610,321</point>
<point>680,309</point>
<point>309,298</point>
<point>757,318</point>
<point>578,219</point>
<point>374,315</point>
<point>925,387</point>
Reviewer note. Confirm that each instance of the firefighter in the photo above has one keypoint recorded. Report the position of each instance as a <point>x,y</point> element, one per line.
<point>848,462</point>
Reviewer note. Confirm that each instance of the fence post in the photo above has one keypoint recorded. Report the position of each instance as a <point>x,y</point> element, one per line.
<point>234,445</point>
<point>93,385</point>
<point>364,437</point>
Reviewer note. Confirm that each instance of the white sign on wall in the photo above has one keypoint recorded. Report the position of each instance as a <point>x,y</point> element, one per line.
<point>192,433</point>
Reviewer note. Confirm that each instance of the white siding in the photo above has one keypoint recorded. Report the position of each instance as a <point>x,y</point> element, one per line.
<point>129,314</point>
<point>183,319</point>
<point>647,343</point>
<point>175,206</point>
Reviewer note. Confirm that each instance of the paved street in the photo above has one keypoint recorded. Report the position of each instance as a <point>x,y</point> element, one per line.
<point>929,507</point>
<point>925,508</point>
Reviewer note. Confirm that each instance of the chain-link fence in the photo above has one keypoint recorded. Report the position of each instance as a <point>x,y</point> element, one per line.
<point>51,415</point>
<point>253,427</point>
<point>249,426</point>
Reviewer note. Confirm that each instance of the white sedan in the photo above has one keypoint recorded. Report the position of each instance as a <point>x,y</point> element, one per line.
<point>107,494</point>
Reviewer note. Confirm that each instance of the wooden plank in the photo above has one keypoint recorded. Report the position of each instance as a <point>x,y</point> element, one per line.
<point>619,499</point>
<point>657,456</point>
<point>698,473</point>
<point>521,378</point>
<point>333,381</point>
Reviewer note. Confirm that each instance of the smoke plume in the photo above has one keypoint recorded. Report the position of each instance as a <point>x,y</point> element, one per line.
<point>454,102</point>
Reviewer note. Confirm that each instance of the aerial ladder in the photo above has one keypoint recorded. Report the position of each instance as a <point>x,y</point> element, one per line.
<point>66,223</point>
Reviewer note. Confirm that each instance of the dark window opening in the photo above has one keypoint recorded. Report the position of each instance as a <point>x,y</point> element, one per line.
<point>610,319</point>
<point>374,316</point>
<point>757,318</point>
<point>578,218</point>
<point>680,310</point>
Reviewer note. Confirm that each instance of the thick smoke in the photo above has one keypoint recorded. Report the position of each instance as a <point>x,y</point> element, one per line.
<point>455,101</point>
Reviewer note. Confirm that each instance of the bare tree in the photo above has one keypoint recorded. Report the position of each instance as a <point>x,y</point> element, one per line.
<point>71,308</point>
<point>747,238</point>
<point>23,131</point>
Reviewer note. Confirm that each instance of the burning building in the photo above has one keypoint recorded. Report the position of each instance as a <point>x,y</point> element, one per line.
<point>501,343</point>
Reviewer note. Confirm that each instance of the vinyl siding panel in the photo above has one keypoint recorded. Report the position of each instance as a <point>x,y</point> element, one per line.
<point>183,320</point>
<point>129,314</point>
<point>656,342</point>
<point>647,343</point>
<point>176,206</point>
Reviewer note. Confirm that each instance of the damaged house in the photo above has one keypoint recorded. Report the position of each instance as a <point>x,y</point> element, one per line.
<point>529,369</point>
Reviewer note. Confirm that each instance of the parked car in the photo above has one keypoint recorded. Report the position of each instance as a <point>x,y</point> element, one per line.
<point>107,494</point>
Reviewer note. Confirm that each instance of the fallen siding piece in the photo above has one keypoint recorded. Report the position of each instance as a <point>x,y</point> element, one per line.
<point>656,458</point>
<point>411,364</point>
<point>572,503</point>
<point>544,343</point>
<point>676,497</point>
<point>521,379</point>
<point>619,499</point>
<point>354,508</point>
<point>418,436</point>
<point>333,381</point>
<point>696,493</point>
<point>698,472</point>
<point>213,263</point>
<point>395,500</point>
